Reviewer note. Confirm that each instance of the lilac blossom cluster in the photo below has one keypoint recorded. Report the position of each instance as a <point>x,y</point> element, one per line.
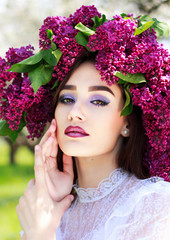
<point>64,37</point>
<point>18,98</point>
<point>118,49</point>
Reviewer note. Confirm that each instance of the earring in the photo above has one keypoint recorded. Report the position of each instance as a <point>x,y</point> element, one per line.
<point>125,132</point>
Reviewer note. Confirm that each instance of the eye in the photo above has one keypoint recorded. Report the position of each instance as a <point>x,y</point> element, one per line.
<point>66,100</point>
<point>99,103</point>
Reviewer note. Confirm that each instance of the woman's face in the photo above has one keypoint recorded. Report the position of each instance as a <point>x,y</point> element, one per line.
<point>88,114</point>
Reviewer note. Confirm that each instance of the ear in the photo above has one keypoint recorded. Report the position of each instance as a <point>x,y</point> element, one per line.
<point>125,132</point>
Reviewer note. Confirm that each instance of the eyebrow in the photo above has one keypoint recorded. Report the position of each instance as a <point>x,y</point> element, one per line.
<point>90,89</point>
<point>100,88</point>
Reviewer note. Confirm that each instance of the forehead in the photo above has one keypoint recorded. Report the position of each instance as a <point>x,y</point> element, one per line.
<point>86,75</point>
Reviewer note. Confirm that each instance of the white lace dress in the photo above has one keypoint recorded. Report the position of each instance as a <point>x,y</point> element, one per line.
<point>122,207</point>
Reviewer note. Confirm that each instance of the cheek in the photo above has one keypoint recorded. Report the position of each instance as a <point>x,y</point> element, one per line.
<point>60,114</point>
<point>59,117</point>
<point>56,114</point>
<point>109,126</point>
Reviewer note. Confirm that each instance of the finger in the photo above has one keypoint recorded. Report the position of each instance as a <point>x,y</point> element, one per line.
<point>50,132</point>
<point>51,170</point>
<point>64,204</point>
<point>39,168</point>
<point>20,216</point>
<point>54,147</point>
<point>23,212</point>
<point>68,165</point>
<point>50,148</point>
<point>31,183</point>
<point>51,164</point>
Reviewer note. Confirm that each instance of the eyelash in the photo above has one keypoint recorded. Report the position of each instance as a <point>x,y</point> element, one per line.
<point>67,100</point>
<point>63,100</point>
<point>102,103</point>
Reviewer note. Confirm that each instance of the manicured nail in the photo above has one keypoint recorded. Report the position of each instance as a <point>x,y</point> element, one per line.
<point>37,148</point>
<point>71,198</point>
<point>54,121</point>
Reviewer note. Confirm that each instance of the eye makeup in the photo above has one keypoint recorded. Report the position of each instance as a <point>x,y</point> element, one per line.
<point>99,100</point>
<point>66,99</point>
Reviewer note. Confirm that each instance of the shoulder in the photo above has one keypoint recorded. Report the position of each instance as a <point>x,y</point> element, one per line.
<point>143,211</point>
<point>153,189</point>
<point>149,197</point>
<point>150,201</point>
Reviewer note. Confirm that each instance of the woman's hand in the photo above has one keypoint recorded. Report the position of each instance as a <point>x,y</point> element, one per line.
<point>38,213</point>
<point>59,183</point>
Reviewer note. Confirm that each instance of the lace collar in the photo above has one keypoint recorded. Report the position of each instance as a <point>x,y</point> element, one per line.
<point>105,187</point>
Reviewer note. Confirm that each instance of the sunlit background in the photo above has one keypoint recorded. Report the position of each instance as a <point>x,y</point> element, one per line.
<point>19,24</point>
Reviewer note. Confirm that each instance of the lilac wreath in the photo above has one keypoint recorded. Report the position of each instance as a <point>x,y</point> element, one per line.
<point>127,53</point>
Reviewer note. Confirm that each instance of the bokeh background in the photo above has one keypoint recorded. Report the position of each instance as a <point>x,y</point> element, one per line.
<point>19,24</point>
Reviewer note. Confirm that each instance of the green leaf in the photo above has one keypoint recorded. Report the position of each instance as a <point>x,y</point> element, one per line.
<point>49,57</point>
<point>128,107</point>
<point>99,21</point>
<point>120,81</point>
<point>40,76</point>
<point>96,21</point>
<point>143,28</point>
<point>49,33</point>
<point>6,131</point>
<point>82,40</point>
<point>53,46</point>
<point>144,19</point>
<point>57,53</point>
<point>104,19</point>
<point>32,60</point>
<point>161,28</point>
<point>131,18</point>
<point>27,65</point>
<point>82,28</point>
<point>124,15</point>
<point>55,85</point>
<point>21,68</point>
<point>135,78</point>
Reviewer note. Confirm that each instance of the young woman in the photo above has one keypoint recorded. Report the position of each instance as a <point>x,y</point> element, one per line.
<point>110,202</point>
<point>102,145</point>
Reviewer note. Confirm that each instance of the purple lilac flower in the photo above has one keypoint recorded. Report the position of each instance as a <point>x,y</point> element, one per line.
<point>84,15</point>
<point>39,113</point>
<point>19,97</point>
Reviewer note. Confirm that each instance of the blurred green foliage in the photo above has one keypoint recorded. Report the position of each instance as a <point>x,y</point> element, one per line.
<point>13,181</point>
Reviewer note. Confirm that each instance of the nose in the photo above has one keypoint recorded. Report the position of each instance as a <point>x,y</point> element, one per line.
<point>76,114</point>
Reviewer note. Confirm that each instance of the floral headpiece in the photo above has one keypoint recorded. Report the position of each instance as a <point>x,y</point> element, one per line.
<point>127,52</point>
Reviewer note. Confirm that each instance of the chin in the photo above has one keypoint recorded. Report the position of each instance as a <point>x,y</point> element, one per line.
<point>75,151</point>
<point>70,149</point>
<point>79,151</point>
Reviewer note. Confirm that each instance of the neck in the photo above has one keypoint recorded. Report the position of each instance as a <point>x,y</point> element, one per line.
<point>92,170</point>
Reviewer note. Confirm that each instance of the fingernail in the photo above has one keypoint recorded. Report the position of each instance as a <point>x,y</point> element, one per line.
<point>53,121</point>
<point>71,198</point>
<point>37,148</point>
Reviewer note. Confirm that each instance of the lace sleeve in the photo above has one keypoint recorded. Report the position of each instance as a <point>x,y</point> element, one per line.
<point>145,215</point>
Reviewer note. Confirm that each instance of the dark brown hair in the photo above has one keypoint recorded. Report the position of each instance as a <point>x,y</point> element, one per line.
<point>131,154</point>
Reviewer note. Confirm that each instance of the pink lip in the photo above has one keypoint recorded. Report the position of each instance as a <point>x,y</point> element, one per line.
<point>75,131</point>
